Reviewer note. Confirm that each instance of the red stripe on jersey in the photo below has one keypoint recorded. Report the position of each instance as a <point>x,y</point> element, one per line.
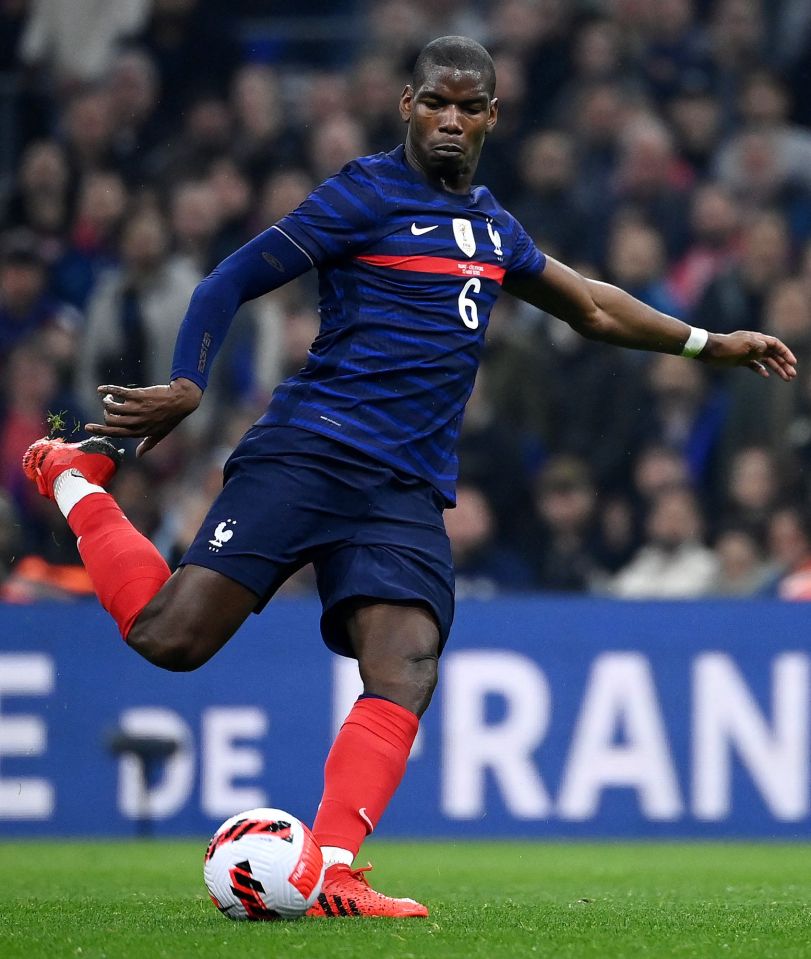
<point>436,264</point>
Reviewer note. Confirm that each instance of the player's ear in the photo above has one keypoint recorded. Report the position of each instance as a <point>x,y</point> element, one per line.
<point>492,119</point>
<point>406,102</point>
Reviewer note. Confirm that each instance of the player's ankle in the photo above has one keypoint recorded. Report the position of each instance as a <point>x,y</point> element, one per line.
<point>70,487</point>
<point>335,855</point>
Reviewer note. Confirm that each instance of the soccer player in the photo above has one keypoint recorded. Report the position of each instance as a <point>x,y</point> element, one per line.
<point>353,462</point>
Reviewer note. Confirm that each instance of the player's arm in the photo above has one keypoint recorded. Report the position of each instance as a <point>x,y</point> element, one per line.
<point>262,265</point>
<point>600,311</point>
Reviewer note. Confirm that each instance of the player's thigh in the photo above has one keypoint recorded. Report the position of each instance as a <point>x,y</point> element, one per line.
<point>276,510</point>
<point>196,612</point>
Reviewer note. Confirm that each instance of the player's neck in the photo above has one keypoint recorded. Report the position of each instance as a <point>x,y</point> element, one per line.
<point>459,183</point>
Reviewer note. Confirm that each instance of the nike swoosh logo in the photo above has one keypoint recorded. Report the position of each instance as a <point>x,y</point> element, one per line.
<point>365,818</point>
<point>419,230</point>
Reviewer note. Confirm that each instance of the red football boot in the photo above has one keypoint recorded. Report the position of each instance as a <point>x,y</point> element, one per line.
<point>96,459</point>
<point>346,892</point>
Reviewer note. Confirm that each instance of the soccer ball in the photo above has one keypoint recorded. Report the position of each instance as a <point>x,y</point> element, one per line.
<point>263,864</point>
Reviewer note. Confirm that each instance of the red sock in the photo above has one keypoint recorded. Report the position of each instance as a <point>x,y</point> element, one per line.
<point>125,568</point>
<point>363,770</point>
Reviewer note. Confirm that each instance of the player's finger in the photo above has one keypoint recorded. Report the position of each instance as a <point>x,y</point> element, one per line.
<point>758,367</point>
<point>116,392</point>
<point>99,429</point>
<point>783,368</point>
<point>781,358</point>
<point>146,444</point>
<point>122,410</point>
<point>778,348</point>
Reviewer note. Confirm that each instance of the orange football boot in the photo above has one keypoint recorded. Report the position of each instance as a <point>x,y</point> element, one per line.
<point>346,892</point>
<point>96,459</point>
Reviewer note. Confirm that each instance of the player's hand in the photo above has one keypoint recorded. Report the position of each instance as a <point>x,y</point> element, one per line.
<point>151,411</point>
<point>758,351</point>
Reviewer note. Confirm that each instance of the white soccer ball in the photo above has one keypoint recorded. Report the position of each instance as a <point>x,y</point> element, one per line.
<point>263,864</point>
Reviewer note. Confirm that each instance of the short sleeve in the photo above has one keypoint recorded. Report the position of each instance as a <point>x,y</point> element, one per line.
<point>526,259</point>
<point>338,217</point>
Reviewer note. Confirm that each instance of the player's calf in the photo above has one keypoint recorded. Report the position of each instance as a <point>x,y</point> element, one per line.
<point>190,619</point>
<point>125,568</point>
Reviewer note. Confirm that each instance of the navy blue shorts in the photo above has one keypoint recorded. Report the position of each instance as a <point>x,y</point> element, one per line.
<point>292,497</point>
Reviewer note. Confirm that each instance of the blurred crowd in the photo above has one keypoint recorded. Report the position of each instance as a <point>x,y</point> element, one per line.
<point>663,146</point>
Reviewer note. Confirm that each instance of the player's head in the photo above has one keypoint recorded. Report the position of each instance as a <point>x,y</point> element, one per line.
<point>458,53</point>
<point>449,106</point>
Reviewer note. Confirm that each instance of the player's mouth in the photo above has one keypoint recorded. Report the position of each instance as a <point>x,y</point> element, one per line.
<point>448,149</point>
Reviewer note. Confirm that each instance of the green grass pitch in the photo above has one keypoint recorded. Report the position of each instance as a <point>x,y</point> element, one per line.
<point>613,900</point>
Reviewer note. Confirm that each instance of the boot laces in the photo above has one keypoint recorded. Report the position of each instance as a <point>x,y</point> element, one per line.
<point>359,873</point>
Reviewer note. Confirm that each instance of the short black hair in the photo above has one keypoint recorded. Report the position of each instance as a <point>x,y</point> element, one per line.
<point>461,53</point>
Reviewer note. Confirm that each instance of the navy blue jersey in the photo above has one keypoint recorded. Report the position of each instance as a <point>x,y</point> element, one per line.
<point>408,274</point>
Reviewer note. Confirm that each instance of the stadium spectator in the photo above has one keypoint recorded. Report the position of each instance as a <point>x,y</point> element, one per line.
<point>598,53</point>
<point>594,402</point>
<point>738,294</point>
<point>599,114</point>
<point>41,198</point>
<point>262,140</point>
<point>9,537</point>
<point>375,85</point>
<point>74,43</point>
<point>484,567</point>
<point>685,412</point>
<point>738,40</point>
<point>560,546</point>
<point>196,218</point>
<point>673,562</point>
<point>283,191</point>
<point>754,487</point>
<point>334,143</point>
<point>27,307</point>
<point>30,394</point>
<point>651,181</point>
<point>790,549</point>
<point>193,49</point>
<point>129,334</point>
<point>94,236</point>
<point>88,130</point>
<point>134,89</point>
<point>674,47</point>
<point>206,129</point>
<point>232,190</point>
<point>755,417</point>
<point>765,107</point>
<point>492,459</point>
<point>696,116</point>
<point>547,205</point>
<point>636,262</point>
<point>656,469</point>
<point>742,567</point>
<point>713,247</point>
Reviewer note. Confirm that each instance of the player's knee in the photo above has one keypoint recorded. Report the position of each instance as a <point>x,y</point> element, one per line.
<point>169,649</point>
<point>408,679</point>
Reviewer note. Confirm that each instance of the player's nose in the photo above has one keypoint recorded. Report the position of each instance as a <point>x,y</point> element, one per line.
<point>451,120</point>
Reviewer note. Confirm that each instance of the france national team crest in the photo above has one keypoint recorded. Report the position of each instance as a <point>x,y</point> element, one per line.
<point>222,534</point>
<point>495,238</point>
<point>463,234</point>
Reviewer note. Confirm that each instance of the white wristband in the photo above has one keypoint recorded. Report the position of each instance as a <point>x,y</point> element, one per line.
<point>696,342</point>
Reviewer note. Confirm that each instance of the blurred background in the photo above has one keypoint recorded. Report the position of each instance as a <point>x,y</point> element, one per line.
<point>661,146</point>
<point>665,147</point>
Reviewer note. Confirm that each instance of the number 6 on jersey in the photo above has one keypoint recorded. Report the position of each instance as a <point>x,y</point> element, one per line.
<point>467,306</point>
